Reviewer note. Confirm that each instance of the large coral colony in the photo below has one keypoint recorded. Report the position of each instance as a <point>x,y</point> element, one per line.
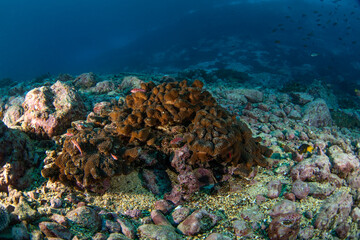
<point>168,158</point>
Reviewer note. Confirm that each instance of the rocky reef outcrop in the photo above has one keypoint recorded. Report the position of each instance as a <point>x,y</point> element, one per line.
<point>146,130</point>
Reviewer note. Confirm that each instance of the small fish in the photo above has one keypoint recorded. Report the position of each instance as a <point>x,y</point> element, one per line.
<point>277,41</point>
<point>137,90</point>
<point>69,134</point>
<point>314,54</point>
<point>113,156</point>
<point>177,140</point>
<point>305,148</point>
<point>357,92</point>
<point>76,144</point>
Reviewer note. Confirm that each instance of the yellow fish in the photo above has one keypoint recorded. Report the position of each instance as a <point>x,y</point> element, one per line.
<point>305,148</point>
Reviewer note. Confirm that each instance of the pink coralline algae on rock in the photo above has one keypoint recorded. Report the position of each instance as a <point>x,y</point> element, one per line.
<point>12,115</point>
<point>48,111</point>
<point>316,168</point>
<point>85,80</point>
<point>335,210</point>
<point>300,189</point>
<point>16,158</point>
<point>198,222</point>
<point>104,87</point>
<point>317,114</point>
<point>284,226</point>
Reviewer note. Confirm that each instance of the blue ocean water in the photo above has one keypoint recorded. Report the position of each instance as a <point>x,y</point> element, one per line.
<point>302,39</point>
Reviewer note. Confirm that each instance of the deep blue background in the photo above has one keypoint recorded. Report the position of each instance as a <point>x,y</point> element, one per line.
<point>75,36</point>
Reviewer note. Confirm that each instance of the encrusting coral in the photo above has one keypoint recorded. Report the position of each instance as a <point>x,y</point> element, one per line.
<point>145,131</point>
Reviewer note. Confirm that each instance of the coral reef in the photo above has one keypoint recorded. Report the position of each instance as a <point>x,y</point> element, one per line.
<point>153,122</point>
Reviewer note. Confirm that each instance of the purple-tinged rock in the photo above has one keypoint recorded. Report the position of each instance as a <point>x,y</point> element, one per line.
<point>283,207</point>
<point>317,114</point>
<point>12,115</point>
<point>354,179</point>
<point>49,111</point>
<point>133,213</point>
<point>131,82</point>
<point>199,221</point>
<point>117,236</point>
<point>260,199</point>
<point>155,180</point>
<point>16,157</point>
<point>315,168</point>
<point>241,228</point>
<point>217,236</point>
<point>180,213</point>
<point>99,236</point>
<point>342,230</point>
<point>293,114</point>
<point>355,215</point>
<point>85,80</point>
<point>104,87</point>
<point>101,108</point>
<point>306,233</point>
<point>51,229</point>
<point>321,190</point>
<point>335,209</point>
<point>264,107</point>
<point>151,231</point>
<point>112,226</point>
<point>274,189</point>
<point>343,163</point>
<point>164,206</point>
<point>158,218</point>
<point>303,136</point>
<point>290,134</point>
<point>290,196</point>
<point>253,95</point>
<point>56,202</point>
<point>284,226</point>
<point>300,189</point>
<point>85,217</point>
<point>60,219</point>
<point>278,134</point>
<point>252,214</point>
<point>128,229</point>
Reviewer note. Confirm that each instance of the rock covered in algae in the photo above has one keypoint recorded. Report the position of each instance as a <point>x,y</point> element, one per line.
<point>148,128</point>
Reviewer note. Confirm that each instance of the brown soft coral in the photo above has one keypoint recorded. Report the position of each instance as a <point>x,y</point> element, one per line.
<point>148,122</point>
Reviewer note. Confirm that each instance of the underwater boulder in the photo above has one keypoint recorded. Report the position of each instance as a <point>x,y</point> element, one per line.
<point>16,159</point>
<point>48,111</point>
<point>317,114</point>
